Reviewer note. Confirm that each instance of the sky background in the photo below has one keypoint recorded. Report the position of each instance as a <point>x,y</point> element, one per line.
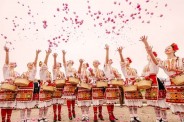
<point>82,28</point>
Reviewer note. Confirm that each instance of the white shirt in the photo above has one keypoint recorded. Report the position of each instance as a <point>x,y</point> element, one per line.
<point>8,74</point>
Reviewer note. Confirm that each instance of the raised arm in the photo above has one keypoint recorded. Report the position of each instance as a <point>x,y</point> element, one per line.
<point>120,54</point>
<point>47,56</point>
<point>91,72</point>
<point>64,60</point>
<point>36,58</point>
<point>80,66</point>
<point>148,49</point>
<point>55,56</point>
<point>107,53</point>
<point>7,55</point>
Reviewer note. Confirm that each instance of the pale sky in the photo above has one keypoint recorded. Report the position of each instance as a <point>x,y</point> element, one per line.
<point>88,42</point>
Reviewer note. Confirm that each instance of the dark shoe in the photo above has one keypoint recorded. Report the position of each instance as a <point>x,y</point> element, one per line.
<point>73,113</point>
<point>70,115</point>
<point>59,118</point>
<point>100,116</point>
<point>137,119</point>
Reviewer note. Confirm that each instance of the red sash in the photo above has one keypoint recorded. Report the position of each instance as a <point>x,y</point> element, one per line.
<point>111,93</point>
<point>7,96</point>
<point>84,94</point>
<point>97,93</point>
<point>25,93</point>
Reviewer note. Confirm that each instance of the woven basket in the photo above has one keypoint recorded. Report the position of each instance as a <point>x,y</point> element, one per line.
<point>60,83</point>
<point>21,82</point>
<point>48,88</point>
<point>132,88</point>
<point>144,84</point>
<point>178,80</point>
<point>101,84</point>
<point>117,82</point>
<point>85,85</point>
<point>74,80</point>
<point>9,87</point>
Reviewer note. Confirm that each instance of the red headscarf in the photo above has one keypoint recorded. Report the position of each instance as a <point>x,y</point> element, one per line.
<point>130,61</point>
<point>154,53</point>
<point>174,46</point>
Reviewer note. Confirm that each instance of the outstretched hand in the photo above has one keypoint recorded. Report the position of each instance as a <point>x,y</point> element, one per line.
<point>143,39</point>
<point>48,51</point>
<point>38,51</point>
<point>81,61</point>
<point>6,49</point>
<point>55,55</point>
<point>119,49</point>
<point>64,52</point>
<point>107,47</point>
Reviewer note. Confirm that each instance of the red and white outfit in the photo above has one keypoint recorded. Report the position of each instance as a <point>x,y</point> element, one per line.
<point>84,95</point>
<point>7,102</point>
<point>45,98</point>
<point>57,101</point>
<point>111,92</point>
<point>156,95</point>
<point>132,99</point>
<point>97,94</point>
<point>69,92</point>
<point>174,94</point>
<point>24,98</point>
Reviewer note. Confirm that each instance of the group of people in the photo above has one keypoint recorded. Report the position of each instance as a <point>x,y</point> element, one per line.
<point>158,96</point>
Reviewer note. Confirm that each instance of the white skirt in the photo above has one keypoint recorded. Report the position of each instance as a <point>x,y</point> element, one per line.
<point>42,104</point>
<point>158,103</point>
<point>97,102</point>
<point>111,101</point>
<point>84,103</point>
<point>8,104</point>
<point>57,101</point>
<point>133,103</point>
<point>176,107</point>
<point>24,105</point>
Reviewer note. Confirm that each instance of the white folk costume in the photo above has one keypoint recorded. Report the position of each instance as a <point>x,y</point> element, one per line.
<point>174,95</point>
<point>45,97</point>
<point>69,92</point>
<point>57,101</point>
<point>111,92</point>
<point>132,99</point>
<point>24,98</point>
<point>97,93</point>
<point>84,95</point>
<point>156,95</point>
<point>7,98</point>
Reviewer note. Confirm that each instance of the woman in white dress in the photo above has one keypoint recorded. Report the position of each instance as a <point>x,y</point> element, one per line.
<point>84,94</point>
<point>173,66</point>
<point>97,92</point>
<point>57,101</point>
<point>45,98</point>
<point>69,93</point>
<point>7,102</point>
<point>133,100</point>
<point>24,98</point>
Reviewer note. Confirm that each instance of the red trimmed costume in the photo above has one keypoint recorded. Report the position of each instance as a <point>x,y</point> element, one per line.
<point>84,96</point>
<point>7,98</point>
<point>174,97</point>
<point>57,101</point>
<point>97,93</point>
<point>69,92</point>
<point>156,95</point>
<point>24,98</point>
<point>111,92</point>
<point>133,100</point>
<point>45,97</point>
